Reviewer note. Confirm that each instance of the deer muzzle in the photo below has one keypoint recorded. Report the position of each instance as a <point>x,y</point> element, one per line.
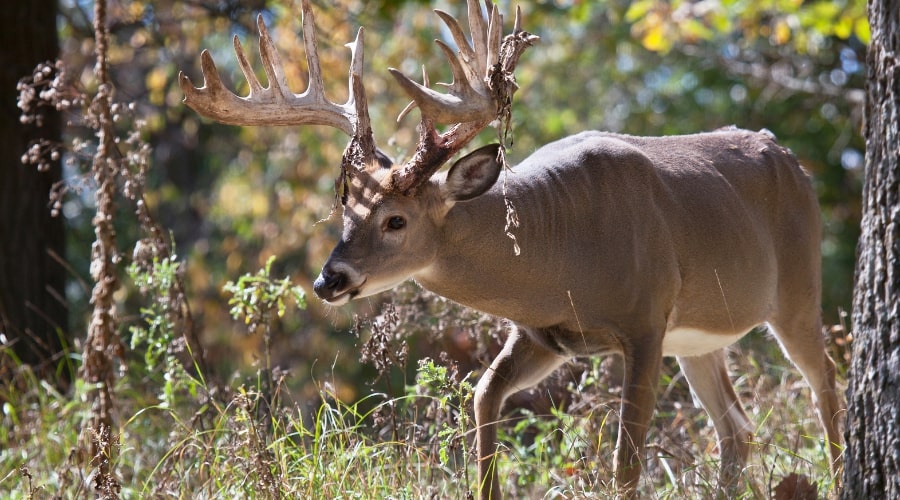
<point>336,286</point>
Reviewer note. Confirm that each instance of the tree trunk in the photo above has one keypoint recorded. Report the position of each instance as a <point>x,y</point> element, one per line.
<point>33,313</point>
<point>872,457</point>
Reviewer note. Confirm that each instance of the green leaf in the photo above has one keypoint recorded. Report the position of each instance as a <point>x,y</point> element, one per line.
<point>638,10</point>
<point>696,29</point>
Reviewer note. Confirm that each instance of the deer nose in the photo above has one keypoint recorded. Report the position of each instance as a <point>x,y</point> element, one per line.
<point>329,283</point>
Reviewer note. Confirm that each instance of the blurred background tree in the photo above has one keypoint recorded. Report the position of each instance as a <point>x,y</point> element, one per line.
<point>233,196</point>
<point>33,315</point>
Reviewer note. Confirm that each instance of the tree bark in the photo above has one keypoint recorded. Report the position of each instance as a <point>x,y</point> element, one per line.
<point>33,313</point>
<point>872,456</point>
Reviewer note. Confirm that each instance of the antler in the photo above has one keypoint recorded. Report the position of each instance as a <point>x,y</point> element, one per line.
<point>468,98</point>
<point>276,104</point>
<point>481,91</point>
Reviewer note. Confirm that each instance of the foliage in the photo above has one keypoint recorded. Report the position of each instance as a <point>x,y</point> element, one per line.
<point>160,337</point>
<point>257,299</point>
<point>449,412</point>
<point>660,26</point>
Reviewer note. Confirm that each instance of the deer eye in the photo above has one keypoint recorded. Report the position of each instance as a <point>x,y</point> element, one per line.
<point>396,222</point>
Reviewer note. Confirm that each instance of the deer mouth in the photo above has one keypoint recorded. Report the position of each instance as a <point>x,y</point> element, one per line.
<point>341,297</point>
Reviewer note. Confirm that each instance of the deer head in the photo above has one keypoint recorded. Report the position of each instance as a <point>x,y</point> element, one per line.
<point>384,203</point>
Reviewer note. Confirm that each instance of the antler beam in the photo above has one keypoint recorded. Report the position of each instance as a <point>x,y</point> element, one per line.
<point>276,104</point>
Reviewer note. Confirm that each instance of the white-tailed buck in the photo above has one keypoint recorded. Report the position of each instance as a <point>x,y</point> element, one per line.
<point>638,246</point>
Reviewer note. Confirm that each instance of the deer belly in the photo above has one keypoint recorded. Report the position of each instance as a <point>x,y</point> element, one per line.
<point>694,342</point>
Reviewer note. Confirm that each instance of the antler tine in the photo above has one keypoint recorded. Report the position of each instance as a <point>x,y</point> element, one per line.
<point>495,29</point>
<point>363,138</point>
<point>458,36</point>
<point>476,26</point>
<point>469,56</point>
<point>481,91</point>
<point>316,86</point>
<point>517,26</point>
<point>278,87</point>
<point>468,98</point>
<point>276,104</point>
<point>412,104</point>
<point>246,69</point>
<point>357,93</point>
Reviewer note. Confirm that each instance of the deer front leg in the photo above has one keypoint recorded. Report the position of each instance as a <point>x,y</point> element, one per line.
<point>642,367</point>
<point>521,364</point>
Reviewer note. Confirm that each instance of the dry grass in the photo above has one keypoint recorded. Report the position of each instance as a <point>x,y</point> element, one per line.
<point>215,445</point>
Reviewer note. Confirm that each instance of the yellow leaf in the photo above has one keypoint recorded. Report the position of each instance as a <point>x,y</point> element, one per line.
<point>259,204</point>
<point>136,9</point>
<point>156,83</point>
<point>655,40</point>
<point>720,22</point>
<point>861,30</point>
<point>156,79</point>
<point>782,33</point>
<point>844,27</point>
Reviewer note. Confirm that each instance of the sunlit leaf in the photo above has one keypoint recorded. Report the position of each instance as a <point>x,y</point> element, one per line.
<point>655,39</point>
<point>156,82</point>
<point>721,22</point>
<point>696,30</point>
<point>259,203</point>
<point>844,27</point>
<point>782,34</point>
<point>581,12</point>
<point>638,10</point>
<point>861,30</point>
<point>136,9</point>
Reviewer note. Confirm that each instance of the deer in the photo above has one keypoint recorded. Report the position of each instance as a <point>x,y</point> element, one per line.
<point>641,247</point>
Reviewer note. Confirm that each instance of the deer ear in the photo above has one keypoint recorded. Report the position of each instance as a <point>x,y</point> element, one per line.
<point>472,174</point>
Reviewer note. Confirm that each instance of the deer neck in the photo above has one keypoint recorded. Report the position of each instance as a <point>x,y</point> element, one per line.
<point>477,264</point>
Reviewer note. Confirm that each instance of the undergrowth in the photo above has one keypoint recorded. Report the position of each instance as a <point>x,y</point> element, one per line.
<point>183,436</point>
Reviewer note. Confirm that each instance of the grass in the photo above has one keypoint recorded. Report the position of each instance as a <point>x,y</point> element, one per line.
<point>218,443</point>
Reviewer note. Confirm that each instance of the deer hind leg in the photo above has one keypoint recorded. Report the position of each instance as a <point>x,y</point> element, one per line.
<point>708,377</point>
<point>802,341</point>
<point>521,364</point>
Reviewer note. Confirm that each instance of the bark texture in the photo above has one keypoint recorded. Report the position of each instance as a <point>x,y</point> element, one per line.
<point>872,457</point>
